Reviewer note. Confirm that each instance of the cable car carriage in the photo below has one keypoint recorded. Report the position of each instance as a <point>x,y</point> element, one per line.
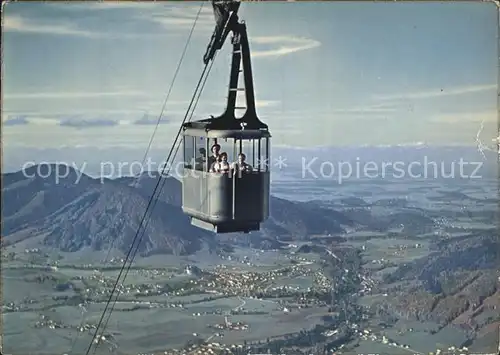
<point>226,175</point>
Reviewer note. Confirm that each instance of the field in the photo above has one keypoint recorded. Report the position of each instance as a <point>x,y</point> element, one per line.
<point>51,310</point>
<point>138,322</point>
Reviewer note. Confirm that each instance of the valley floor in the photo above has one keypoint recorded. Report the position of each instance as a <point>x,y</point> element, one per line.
<point>422,279</point>
<point>168,302</point>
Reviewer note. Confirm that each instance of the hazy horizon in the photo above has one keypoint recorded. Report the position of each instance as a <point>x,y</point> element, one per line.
<point>90,76</point>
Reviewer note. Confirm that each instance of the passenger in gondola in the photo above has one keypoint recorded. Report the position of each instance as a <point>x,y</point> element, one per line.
<point>241,166</point>
<point>215,154</point>
<point>215,165</point>
<point>222,165</point>
<point>201,159</point>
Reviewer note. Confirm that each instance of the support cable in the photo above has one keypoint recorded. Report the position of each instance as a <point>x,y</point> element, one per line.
<point>164,174</point>
<point>156,187</point>
<point>143,224</point>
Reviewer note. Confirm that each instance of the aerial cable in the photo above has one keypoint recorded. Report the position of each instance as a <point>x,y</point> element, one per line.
<point>152,197</point>
<point>169,91</point>
<point>196,102</point>
<point>165,172</point>
<point>143,223</point>
<point>152,200</point>
<point>136,181</point>
<point>158,122</point>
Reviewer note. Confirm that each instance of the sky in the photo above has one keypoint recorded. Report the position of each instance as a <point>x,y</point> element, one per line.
<point>96,75</point>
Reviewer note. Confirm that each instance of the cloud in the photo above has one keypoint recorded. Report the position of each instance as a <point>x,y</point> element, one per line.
<point>16,121</point>
<point>240,102</point>
<point>16,23</point>
<point>85,123</point>
<point>180,22</point>
<point>258,103</point>
<point>454,91</point>
<point>72,95</point>
<point>43,120</point>
<point>186,15</point>
<point>124,116</point>
<point>19,24</point>
<point>55,113</point>
<point>111,5</point>
<point>362,110</point>
<point>466,117</point>
<point>169,15</point>
<point>266,103</point>
<point>145,6</point>
<point>356,110</point>
<point>150,120</point>
<point>290,44</point>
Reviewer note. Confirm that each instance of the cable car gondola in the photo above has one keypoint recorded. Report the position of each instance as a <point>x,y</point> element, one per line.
<point>232,200</point>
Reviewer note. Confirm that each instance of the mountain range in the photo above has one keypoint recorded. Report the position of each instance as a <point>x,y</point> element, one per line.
<point>90,159</point>
<point>79,211</point>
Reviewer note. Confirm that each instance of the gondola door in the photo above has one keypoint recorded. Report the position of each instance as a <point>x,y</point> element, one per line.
<point>201,174</point>
<point>246,185</point>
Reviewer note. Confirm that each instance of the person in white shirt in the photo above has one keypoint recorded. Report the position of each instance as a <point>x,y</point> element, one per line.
<point>221,165</point>
<point>241,165</point>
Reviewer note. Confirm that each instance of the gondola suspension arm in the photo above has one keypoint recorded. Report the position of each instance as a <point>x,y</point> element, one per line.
<point>226,18</point>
